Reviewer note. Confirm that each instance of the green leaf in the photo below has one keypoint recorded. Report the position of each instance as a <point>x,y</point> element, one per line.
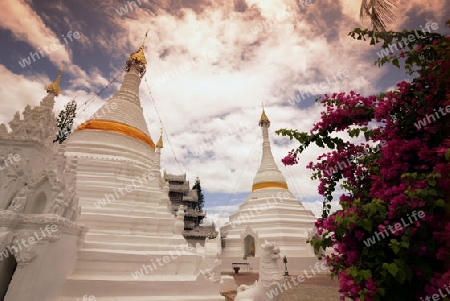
<point>354,132</point>
<point>330,145</point>
<point>432,192</point>
<point>404,244</point>
<point>366,224</point>
<point>353,272</point>
<point>366,274</point>
<point>319,142</point>
<point>408,272</point>
<point>396,63</point>
<point>395,249</point>
<point>401,276</point>
<point>440,203</point>
<point>432,182</point>
<point>392,268</point>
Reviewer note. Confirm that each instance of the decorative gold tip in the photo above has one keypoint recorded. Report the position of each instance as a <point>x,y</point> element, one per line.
<point>143,42</point>
<point>54,87</point>
<point>264,119</point>
<point>138,58</point>
<point>160,143</point>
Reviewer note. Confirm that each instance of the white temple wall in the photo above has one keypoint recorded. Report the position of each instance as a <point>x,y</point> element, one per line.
<point>30,158</point>
<point>39,199</point>
<point>108,178</point>
<point>295,265</point>
<point>107,145</point>
<point>133,231</point>
<point>46,273</point>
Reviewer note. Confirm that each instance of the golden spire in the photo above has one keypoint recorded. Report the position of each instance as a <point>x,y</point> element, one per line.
<point>264,118</point>
<point>138,58</point>
<point>54,87</point>
<point>160,143</point>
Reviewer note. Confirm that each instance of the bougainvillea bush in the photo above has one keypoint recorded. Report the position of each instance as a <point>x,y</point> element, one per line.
<point>394,180</point>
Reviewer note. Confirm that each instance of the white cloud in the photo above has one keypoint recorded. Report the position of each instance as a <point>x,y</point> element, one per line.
<point>206,104</point>
<point>219,219</point>
<point>20,18</point>
<point>17,91</point>
<point>316,207</point>
<point>200,106</point>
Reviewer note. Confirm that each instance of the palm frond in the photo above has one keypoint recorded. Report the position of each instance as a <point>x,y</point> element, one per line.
<point>380,13</point>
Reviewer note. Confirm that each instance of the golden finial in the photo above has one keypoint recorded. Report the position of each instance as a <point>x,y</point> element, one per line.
<point>146,33</point>
<point>54,87</point>
<point>138,58</point>
<point>160,143</point>
<point>264,118</point>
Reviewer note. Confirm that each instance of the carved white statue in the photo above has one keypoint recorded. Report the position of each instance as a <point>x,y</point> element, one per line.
<point>269,277</point>
<point>179,222</point>
<point>165,197</point>
<point>71,214</point>
<point>58,205</point>
<point>16,172</point>
<point>213,271</point>
<point>18,202</point>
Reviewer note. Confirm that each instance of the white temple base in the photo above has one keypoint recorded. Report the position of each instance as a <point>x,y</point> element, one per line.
<point>154,288</point>
<point>227,283</point>
<point>295,265</point>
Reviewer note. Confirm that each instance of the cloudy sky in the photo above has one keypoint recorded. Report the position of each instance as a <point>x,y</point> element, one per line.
<point>211,63</point>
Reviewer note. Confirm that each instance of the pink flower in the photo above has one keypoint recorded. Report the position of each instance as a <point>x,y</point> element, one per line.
<point>371,286</point>
<point>383,184</point>
<point>290,159</point>
<point>441,151</point>
<point>359,235</point>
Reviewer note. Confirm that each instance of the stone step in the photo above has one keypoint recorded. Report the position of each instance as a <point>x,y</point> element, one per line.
<point>129,201</point>
<point>122,203</point>
<point>155,288</point>
<point>274,213</point>
<point>158,223</point>
<point>127,237</point>
<point>283,227</point>
<point>120,246</point>
<point>134,255</point>
<point>125,278</point>
<point>114,210</point>
<point>101,263</point>
<point>104,189</point>
<point>148,298</point>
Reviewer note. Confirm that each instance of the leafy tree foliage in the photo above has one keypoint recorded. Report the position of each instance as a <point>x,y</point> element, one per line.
<point>65,121</point>
<point>201,198</point>
<point>394,167</point>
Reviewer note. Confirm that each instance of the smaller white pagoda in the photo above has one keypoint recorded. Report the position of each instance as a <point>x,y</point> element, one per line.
<point>271,212</point>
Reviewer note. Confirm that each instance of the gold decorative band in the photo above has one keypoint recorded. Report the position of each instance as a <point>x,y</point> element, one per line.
<point>117,127</point>
<point>269,185</point>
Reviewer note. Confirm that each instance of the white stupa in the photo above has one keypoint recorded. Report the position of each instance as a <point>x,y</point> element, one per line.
<point>271,212</point>
<point>115,236</point>
<point>134,249</point>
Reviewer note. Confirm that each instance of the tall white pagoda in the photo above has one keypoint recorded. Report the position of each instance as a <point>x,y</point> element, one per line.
<point>134,249</point>
<point>116,236</point>
<point>271,212</point>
